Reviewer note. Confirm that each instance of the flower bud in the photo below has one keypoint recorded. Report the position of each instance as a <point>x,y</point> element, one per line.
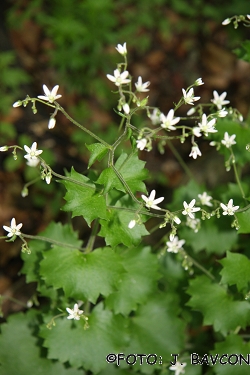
<point>17,104</point>
<point>52,123</point>
<point>226,21</point>
<point>3,148</point>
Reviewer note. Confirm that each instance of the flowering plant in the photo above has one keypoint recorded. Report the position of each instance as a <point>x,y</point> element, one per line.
<point>139,297</point>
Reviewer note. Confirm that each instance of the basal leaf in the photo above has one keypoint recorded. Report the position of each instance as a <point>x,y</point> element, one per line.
<point>137,283</point>
<point>236,270</point>
<point>83,199</point>
<point>20,352</point>
<point>156,328</point>
<point>82,276</point>
<point>229,352</point>
<point>69,342</point>
<point>98,151</point>
<point>217,306</point>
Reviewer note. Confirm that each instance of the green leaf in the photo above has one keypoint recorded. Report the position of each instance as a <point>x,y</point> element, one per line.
<point>217,307</point>
<point>242,132</point>
<point>137,283</point>
<point>236,270</point>
<point>243,221</point>
<point>56,232</point>
<point>116,230</point>
<point>156,328</point>
<point>98,151</point>
<point>82,276</point>
<point>83,199</point>
<point>233,344</point>
<point>69,342</point>
<point>19,350</point>
<point>213,236</point>
<point>132,170</point>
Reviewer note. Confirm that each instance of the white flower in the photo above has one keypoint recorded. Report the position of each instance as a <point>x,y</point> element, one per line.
<point>199,82</point>
<point>4,148</point>
<point>52,123</point>
<point>207,126</point>
<point>142,87</point>
<point>189,97</point>
<point>32,152</point>
<point>155,117</point>
<point>218,100</point>
<point>121,49</point>
<point>32,162</point>
<point>151,202</point>
<point>131,224</point>
<point>74,313</point>
<point>195,151</point>
<point>126,108</point>
<point>228,140</point>
<point>168,121</point>
<point>193,224</point>
<point>14,230</point>
<point>178,368</point>
<point>189,208</point>
<point>141,143</point>
<point>50,96</point>
<point>17,104</point>
<point>222,113</point>
<point>229,209</point>
<point>119,78</point>
<point>175,245</point>
<point>226,21</point>
<point>205,199</point>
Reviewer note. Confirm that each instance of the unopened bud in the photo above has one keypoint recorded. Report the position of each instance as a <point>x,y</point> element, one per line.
<point>52,123</point>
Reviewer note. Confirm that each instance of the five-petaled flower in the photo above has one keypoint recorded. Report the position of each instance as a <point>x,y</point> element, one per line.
<point>74,313</point>
<point>141,143</point>
<point>168,122</point>
<point>222,113</point>
<point>32,152</point>
<point>175,245</point>
<point>151,202</point>
<point>142,87</point>
<point>50,96</point>
<point>189,208</point>
<point>228,140</point>
<point>178,368</point>
<point>155,116</point>
<point>229,209</point>
<point>218,100</point>
<point>195,151</point>
<point>205,199</point>
<point>119,78</point>
<point>14,230</point>
<point>205,126</point>
<point>121,49</point>
<point>189,97</point>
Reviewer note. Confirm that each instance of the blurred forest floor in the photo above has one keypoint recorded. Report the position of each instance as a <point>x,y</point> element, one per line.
<point>170,64</point>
